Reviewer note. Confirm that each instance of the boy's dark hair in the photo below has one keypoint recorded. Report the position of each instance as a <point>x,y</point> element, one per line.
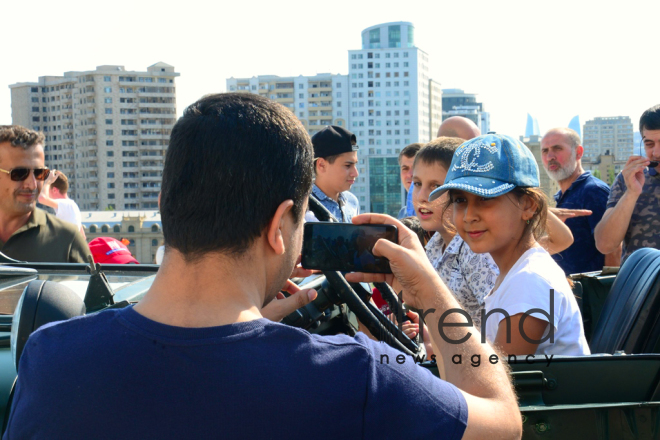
<point>439,150</point>
<point>650,119</point>
<point>329,159</point>
<point>232,160</point>
<point>19,136</point>
<point>414,225</point>
<point>61,183</point>
<point>410,151</point>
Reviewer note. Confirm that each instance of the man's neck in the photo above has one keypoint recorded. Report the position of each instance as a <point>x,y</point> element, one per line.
<point>334,195</point>
<point>218,290</point>
<point>11,224</point>
<point>566,183</point>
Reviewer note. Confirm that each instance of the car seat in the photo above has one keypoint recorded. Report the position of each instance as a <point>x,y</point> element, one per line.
<point>630,319</point>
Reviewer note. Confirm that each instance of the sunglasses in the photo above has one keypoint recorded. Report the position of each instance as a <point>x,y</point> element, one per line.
<point>20,174</point>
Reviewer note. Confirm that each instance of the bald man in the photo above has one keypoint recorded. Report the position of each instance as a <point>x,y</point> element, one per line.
<point>460,127</point>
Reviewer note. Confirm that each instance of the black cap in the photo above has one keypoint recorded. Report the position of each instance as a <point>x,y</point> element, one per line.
<point>333,140</point>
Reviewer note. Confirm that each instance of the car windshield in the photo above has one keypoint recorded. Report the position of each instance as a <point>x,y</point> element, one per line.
<point>126,287</point>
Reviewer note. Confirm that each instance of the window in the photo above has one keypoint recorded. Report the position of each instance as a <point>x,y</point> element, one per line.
<point>154,242</point>
<point>111,185</point>
<point>154,228</point>
<point>108,122</point>
<point>116,228</point>
<point>111,175</point>
<point>107,89</point>
<point>110,153</point>
<point>92,229</point>
<point>111,164</point>
<point>107,79</point>
<point>301,95</point>
<point>108,132</point>
<point>131,229</point>
<point>301,86</point>
<point>104,229</point>
<point>301,105</point>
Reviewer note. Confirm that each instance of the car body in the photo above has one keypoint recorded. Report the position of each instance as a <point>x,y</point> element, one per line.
<point>602,396</point>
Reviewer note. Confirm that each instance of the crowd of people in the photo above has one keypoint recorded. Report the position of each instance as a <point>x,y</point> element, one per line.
<point>203,352</point>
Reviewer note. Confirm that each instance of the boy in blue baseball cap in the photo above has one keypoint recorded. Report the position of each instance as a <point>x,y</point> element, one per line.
<point>498,208</point>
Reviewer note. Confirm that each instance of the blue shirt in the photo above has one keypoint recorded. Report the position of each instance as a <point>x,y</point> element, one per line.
<point>587,192</point>
<point>116,374</point>
<point>344,210</point>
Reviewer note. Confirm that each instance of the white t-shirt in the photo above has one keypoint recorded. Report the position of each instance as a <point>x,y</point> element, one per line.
<point>68,210</point>
<point>527,286</point>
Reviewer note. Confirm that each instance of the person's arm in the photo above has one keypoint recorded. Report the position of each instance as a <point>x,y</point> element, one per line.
<point>613,259</point>
<point>79,250</point>
<point>492,407</point>
<point>515,343</point>
<point>44,196</point>
<point>611,229</point>
<point>558,237</point>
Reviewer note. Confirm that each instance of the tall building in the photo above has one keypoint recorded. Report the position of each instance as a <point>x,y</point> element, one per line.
<point>532,127</point>
<point>387,99</point>
<point>455,102</point>
<point>608,135</point>
<point>317,100</point>
<point>576,126</point>
<point>393,103</point>
<point>107,129</point>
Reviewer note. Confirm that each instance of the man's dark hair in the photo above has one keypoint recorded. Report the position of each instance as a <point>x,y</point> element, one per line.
<point>439,150</point>
<point>61,183</point>
<point>329,159</point>
<point>19,136</point>
<point>410,151</point>
<point>650,119</point>
<point>232,160</point>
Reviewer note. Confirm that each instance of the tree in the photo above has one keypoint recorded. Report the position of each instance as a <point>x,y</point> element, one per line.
<point>596,173</point>
<point>610,176</point>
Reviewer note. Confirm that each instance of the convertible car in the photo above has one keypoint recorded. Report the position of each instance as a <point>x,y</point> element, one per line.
<point>612,394</point>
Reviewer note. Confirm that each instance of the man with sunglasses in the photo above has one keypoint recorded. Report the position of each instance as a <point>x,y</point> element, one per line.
<point>28,233</point>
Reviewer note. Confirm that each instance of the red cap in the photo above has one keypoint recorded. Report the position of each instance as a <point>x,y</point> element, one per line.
<point>108,250</point>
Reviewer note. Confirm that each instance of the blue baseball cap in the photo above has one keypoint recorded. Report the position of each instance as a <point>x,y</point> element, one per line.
<point>489,166</point>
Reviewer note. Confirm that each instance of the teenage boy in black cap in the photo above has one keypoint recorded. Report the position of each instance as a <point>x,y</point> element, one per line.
<point>335,160</point>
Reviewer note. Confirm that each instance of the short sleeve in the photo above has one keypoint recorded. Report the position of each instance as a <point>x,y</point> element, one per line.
<point>399,389</point>
<point>535,295</point>
<point>618,188</point>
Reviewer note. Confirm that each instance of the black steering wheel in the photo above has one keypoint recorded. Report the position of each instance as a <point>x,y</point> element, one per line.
<point>369,315</point>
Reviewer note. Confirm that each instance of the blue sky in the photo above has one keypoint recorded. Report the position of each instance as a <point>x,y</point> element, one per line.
<point>552,59</point>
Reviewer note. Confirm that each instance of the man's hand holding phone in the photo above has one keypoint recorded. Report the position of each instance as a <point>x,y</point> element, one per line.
<point>408,262</point>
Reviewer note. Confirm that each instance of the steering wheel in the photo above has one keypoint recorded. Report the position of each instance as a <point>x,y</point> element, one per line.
<point>369,315</point>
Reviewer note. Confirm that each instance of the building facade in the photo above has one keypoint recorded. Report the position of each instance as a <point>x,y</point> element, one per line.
<point>605,167</point>
<point>608,136</point>
<point>387,99</point>
<point>393,103</point>
<point>455,102</point>
<point>143,230</point>
<point>106,129</point>
<point>317,100</point>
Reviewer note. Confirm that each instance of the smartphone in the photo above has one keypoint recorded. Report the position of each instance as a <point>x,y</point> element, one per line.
<point>345,247</point>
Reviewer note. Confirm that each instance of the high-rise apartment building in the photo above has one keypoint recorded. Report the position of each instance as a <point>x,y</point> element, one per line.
<point>107,129</point>
<point>387,99</point>
<point>455,102</point>
<point>393,103</point>
<point>608,136</point>
<point>317,100</point>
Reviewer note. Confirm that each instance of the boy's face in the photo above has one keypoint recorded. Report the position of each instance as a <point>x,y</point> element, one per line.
<point>338,176</point>
<point>426,178</point>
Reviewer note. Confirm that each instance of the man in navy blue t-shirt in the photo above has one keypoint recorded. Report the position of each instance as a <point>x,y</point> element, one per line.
<point>196,358</point>
<point>581,201</point>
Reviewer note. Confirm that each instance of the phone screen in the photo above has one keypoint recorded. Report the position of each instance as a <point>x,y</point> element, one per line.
<point>345,247</point>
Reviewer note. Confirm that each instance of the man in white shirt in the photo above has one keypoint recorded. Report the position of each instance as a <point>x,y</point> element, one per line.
<point>54,194</point>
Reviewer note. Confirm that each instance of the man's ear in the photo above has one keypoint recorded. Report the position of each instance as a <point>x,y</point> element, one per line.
<point>321,165</point>
<point>579,152</point>
<point>54,192</point>
<point>276,226</point>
